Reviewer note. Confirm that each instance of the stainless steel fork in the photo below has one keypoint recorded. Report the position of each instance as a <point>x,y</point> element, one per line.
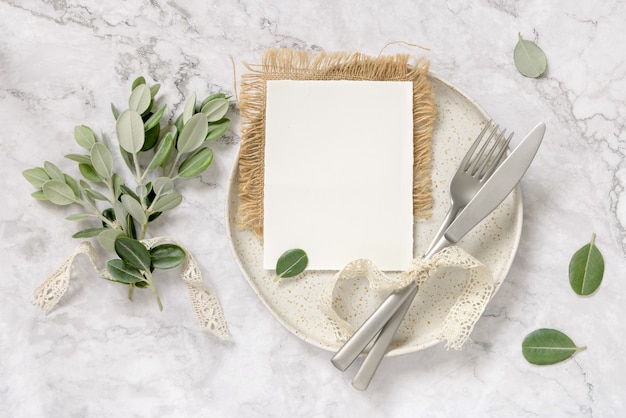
<point>479,163</point>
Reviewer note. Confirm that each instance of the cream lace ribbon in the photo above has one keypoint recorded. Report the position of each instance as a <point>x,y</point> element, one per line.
<point>204,302</point>
<point>460,320</point>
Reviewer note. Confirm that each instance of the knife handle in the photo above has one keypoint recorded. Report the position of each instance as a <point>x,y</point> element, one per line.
<point>378,350</point>
<point>371,328</point>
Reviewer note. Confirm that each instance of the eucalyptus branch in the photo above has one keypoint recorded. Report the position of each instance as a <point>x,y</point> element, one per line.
<point>178,149</point>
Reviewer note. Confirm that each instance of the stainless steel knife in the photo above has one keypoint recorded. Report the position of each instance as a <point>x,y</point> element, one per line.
<point>384,322</point>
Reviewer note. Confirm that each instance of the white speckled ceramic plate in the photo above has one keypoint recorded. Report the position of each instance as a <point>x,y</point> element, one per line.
<point>294,302</point>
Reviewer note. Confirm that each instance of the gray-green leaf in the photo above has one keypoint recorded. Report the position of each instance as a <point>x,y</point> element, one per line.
<point>84,136</point>
<point>130,133</point>
<point>140,98</point>
<point>291,263</point>
<point>53,171</point>
<point>133,252</point>
<point>89,233</point>
<point>193,134</point>
<point>162,185</point>
<point>217,129</point>
<point>154,119</point>
<point>548,346</point>
<point>586,269</point>
<point>79,158</point>
<point>196,163</point>
<point>166,202</point>
<point>107,238</point>
<point>529,59</point>
<point>58,192</point>
<point>163,151</point>
<point>135,209</point>
<point>102,160</point>
<point>215,109</point>
<point>36,176</point>
<point>89,172</point>
<point>190,108</point>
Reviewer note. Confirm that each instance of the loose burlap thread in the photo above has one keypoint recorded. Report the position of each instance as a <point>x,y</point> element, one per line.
<point>288,64</point>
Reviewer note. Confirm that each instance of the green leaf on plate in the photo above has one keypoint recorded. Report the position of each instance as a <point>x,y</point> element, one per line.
<point>196,163</point>
<point>167,256</point>
<point>291,263</point>
<point>130,132</point>
<point>530,60</point>
<point>586,269</point>
<point>58,192</point>
<point>122,272</point>
<point>548,346</point>
<point>133,252</point>
<point>193,134</point>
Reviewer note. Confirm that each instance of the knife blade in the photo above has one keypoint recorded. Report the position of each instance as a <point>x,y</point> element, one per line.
<point>493,192</point>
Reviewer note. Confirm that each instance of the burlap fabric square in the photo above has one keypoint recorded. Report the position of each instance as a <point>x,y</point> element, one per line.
<point>288,64</point>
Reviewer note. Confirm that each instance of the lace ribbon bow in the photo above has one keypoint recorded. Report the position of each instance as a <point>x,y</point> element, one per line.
<point>204,302</point>
<point>460,320</point>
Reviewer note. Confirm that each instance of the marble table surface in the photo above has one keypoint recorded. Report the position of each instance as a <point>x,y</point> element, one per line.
<point>62,62</point>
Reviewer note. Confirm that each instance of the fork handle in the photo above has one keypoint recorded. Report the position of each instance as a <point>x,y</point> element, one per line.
<point>445,223</point>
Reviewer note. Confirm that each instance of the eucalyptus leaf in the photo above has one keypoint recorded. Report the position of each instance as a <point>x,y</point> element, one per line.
<point>529,58</point>
<point>212,97</point>
<point>72,183</point>
<point>215,109</point>
<point>89,173</point>
<point>167,256</point>
<point>137,82</point>
<point>140,98</point>
<point>84,136</point>
<point>193,134</point>
<point>548,346</point>
<point>154,119</point>
<point>291,263</point>
<point>125,189</point>
<point>120,214</point>
<point>189,109</point>
<point>122,272</point>
<point>586,269</point>
<point>78,216</point>
<point>58,192</point>
<point>163,151</point>
<point>89,232</point>
<point>53,171</point>
<point>107,238</point>
<point>130,132</point>
<point>133,252</point>
<point>117,182</point>
<point>127,157</point>
<point>196,163</point>
<point>39,195</point>
<point>151,138</point>
<point>166,202</point>
<point>217,129</point>
<point>36,176</point>
<point>134,208</point>
<point>162,185</point>
<point>95,195</point>
<point>79,158</point>
<point>102,160</point>
<point>116,113</point>
<point>154,89</point>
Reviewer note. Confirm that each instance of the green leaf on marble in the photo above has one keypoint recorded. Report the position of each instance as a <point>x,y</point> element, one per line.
<point>130,132</point>
<point>133,252</point>
<point>58,192</point>
<point>586,269</point>
<point>36,176</point>
<point>548,346</point>
<point>193,134</point>
<point>84,136</point>
<point>196,163</point>
<point>167,256</point>
<point>529,58</point>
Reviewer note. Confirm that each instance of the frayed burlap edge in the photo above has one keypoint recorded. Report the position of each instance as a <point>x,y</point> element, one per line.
<point>288,64</point>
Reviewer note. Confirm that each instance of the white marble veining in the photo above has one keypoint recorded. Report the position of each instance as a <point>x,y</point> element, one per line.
<point>62,62</point>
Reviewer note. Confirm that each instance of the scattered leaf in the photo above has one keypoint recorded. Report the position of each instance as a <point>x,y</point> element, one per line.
<point>529,59</point>
<point>548,346</point>
<point>586,269</point>
<point>291,263</point>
